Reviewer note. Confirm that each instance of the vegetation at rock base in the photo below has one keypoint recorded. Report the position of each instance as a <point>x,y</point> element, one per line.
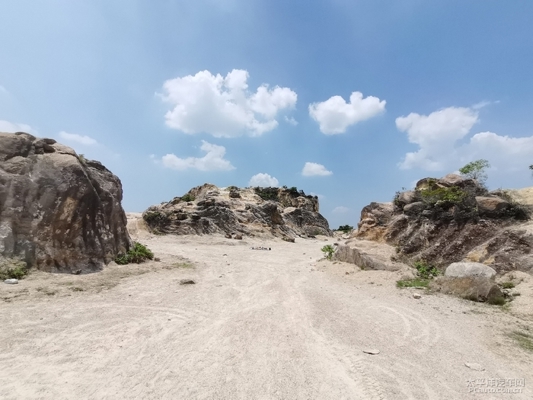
<point>137,254</point>
<point>497,301</point>
<point>345,228</point>
<point>328,251</point>
<point>425,270</point>
<point>507,285</point>
<point>525,340</point>
<point>13,269</point>
<point>415,282</point>
<point>154,217</point>
<point>515,209</point>
<point>476,170</point>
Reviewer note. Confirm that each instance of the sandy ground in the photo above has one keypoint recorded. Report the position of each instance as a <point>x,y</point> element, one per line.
<point>278,324</point>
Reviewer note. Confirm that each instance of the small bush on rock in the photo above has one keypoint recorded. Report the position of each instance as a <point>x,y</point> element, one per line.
<point>137,254</point>
<point>345,228</point>
<point>187,197</point>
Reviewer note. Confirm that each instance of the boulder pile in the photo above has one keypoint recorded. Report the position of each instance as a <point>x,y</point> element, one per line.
<point>237,212</point>
<point>452,219</point>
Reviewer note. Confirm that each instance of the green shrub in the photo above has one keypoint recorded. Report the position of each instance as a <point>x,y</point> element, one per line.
<point>497,301</point>
<point>425,270</point>
<point>269,193</point>
<point>507,285</point>
<point>137,254</point>
<point>415,282</point>
<point>13,269</point>
<point>187,197</point>
<point>476,170</point>
<point>435,194</point>
<point>345,228</point>
<point>328,251</point>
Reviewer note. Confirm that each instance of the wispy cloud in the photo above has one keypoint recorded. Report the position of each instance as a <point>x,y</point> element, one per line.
<point>213,160</point>
<point>79,139</point>
<point>12,127</point>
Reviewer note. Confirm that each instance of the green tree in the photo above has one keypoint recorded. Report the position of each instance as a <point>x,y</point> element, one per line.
<point>476,170</point>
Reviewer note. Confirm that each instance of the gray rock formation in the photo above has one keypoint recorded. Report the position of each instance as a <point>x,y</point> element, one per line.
<point>368,254</point>
<point>454,219</point>
<point>58,211</point>
<point>208,209</point>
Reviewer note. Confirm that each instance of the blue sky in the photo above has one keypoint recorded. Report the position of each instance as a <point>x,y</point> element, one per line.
<point>350,100</point>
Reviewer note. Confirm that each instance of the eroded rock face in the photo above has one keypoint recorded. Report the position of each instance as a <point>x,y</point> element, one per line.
<point>58,212</point>
<point>208,209</point>
<point>453,219</point>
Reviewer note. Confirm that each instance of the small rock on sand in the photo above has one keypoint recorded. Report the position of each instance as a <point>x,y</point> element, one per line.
<point>187,282</point>
<point>11,281</point>
<point>474,366</point>
<point>371,351</point>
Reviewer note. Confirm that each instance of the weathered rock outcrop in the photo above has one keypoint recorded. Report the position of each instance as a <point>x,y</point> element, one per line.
<point>453,219</point>
<point>208,209</point>
<point>58,211</point>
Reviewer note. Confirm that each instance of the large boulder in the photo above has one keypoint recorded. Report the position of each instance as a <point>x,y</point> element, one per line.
<point>493,206</point>
<point>58,211</point>
<point>368,255</point>
<point>475,288</point>
<point>207,209</point>
<point>469,269</point>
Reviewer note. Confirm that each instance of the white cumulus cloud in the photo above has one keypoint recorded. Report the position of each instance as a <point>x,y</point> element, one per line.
<point>445,143</point>
<point>212,161</point>
<point>263,180</point>
<point>12,127</point>
<point>335,115</point>
<point>436,135</point>
<point>314,169</point>
<point>76,138</point>
<point>223,106</point>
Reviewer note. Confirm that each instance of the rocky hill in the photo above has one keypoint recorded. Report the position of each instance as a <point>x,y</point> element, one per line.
<point>452,219</point>
<point>58,211</point>
<point>234,211</point>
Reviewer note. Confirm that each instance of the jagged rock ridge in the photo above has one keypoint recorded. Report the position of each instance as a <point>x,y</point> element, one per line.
<point>449,220</point>
<point>207,209</point>
<point>58,211</point>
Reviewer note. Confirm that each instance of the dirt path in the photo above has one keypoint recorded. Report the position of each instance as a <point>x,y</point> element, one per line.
<point>257,325</point>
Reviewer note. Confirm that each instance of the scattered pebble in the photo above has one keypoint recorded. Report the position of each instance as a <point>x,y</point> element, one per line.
<point>371,351</point>
<point>474,366</point>
<point>11,281</point>
<point>187,282</point>
<point>417,295</point>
